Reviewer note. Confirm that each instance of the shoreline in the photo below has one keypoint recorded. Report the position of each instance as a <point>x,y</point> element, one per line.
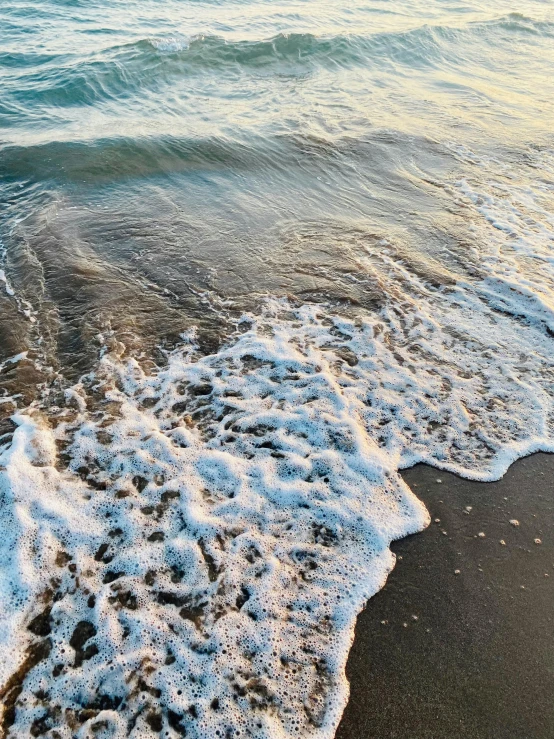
<point>465,653</point>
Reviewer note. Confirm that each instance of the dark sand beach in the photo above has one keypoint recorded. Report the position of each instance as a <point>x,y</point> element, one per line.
<point>441,655</point>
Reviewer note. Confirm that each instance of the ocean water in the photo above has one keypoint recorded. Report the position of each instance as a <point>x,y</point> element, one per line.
<point>255,258</point>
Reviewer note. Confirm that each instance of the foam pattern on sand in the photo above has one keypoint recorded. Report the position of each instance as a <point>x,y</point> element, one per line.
<point>185,550</point>
<point>218,527</point>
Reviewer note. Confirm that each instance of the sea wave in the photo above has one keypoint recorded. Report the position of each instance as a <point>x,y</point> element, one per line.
<point>120,157</point>
<point>127,70</point>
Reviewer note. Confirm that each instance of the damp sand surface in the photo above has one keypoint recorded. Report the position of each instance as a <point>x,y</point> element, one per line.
<point>439,654</point>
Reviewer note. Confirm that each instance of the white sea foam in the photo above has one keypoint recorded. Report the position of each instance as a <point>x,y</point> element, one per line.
<point>192,545</point>
<point>8,288</point>
<point>171,44</point>
<point>3,278</point>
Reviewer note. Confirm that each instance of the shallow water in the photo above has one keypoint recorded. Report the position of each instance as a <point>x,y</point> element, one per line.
<point>256,257</point>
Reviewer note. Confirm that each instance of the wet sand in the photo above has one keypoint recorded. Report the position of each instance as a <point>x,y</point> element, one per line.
<point>442,655</point>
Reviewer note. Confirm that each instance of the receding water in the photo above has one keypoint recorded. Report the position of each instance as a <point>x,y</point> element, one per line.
<point>255,257</point>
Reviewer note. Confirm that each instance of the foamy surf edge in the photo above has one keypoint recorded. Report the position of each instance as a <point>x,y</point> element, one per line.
<point>186,550</point>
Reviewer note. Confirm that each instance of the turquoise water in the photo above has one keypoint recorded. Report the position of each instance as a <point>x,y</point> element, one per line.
<point>247,73</point>
<point>179,147</point>
<point>255,258</point>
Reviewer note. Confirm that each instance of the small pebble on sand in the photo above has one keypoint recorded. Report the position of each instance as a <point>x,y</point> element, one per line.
<point>514,522</point>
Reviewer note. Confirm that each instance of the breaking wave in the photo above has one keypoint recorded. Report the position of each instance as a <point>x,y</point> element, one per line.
<point>141,67</point>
